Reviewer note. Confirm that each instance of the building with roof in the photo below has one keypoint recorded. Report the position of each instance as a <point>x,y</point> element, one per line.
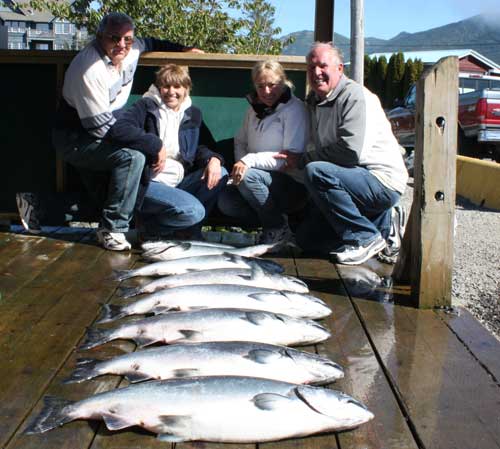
<point>22,28</point>
<point>470,61</point>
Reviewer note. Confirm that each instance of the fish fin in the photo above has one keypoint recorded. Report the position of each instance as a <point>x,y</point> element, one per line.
<point>143,341</point>
<point>111,312</point>
<point>85,370</point>
<point>121,275</point>
<point>270,401</point>
<point>265,264</point>
<point>170,438</point>
<point>189,334</point>
<point>257,271</point>
<point>186,372</point>
<point>263,296</point>
<point>116,422</point>
<point>96,337</point>
<point>51,416</point>
<point>174,427</point>
<point>230,257</point>
<point>137,376</point>
<point>128,292</point>
<point>262,356</point>
<point>255,317</point>
<point>164,309</point>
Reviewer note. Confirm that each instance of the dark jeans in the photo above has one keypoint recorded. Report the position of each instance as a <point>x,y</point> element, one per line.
<point>123,167</point>
<point>349,205</point>
<point>263,198</point>
<point>166,209</point>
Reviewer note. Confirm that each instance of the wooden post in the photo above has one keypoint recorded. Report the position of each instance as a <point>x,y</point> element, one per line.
<point>323,22</point>
<point>357,41</point>
<point>430,233</point>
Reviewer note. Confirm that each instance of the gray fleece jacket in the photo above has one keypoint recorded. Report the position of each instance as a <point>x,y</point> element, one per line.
<point>349,128</point>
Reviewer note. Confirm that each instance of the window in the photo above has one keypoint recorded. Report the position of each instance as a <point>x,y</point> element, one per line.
<point>64,28</point>
<point>42,26</point>
<point>41,46</point>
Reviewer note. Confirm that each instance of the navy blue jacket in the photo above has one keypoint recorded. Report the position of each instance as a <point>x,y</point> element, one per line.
<point>137,128</point>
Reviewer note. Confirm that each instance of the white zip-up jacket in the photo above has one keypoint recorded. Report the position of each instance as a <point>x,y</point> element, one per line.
<point>258,140</point>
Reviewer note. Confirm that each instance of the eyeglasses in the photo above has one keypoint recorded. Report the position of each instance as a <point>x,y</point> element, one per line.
<point>269,85</point>
<point>116,39</point>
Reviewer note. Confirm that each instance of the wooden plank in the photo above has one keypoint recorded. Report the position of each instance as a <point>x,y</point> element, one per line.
<point>450,399</point>
<point>434,194</point>
<point>24,260</point>
<point>364,378</point>
<point>476,338</point>
<point>52,319</point>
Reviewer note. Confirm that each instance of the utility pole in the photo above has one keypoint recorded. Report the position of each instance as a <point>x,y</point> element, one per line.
<point>357,40</point>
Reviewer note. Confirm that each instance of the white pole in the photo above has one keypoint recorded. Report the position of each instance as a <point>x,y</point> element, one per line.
<point>357,40</point>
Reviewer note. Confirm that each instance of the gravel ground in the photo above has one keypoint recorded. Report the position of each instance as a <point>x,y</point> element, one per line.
<point>476,268</point>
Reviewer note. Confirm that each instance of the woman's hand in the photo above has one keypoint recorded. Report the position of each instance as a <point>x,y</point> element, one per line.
<point>212,173</point>
<point>291,159</point>
<point>238,173</point>
<point>159,165</point>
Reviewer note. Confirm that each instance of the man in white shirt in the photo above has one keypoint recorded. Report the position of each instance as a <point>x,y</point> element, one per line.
<point>96,87</point>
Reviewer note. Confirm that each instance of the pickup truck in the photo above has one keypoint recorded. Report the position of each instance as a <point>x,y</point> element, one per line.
<point>478,118</point>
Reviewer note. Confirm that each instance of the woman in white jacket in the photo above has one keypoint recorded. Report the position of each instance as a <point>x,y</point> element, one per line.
<point>260,189</point>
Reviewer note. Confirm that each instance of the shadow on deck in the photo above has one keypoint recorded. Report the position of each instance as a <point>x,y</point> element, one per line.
<point>430,377</point>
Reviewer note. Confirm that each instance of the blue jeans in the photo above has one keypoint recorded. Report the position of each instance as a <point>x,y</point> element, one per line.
<point>166,209</point>
<point>263,198</point>
<point>351,207</point>
<point>122,167</point>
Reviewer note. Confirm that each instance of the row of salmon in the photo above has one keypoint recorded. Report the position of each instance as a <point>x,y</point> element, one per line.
<point>227,373</point>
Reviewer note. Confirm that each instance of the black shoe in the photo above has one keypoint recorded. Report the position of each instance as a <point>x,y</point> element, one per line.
<point>28,207</point>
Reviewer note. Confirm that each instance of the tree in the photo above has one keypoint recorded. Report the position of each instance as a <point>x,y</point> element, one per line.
<point>258,35</point>
<point>381,75</point>
<point>368,69</point>
<point>205,24</point>
<point>394,78</point>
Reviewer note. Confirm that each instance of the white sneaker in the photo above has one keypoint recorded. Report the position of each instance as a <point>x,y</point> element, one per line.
<point>395,239</point>
<point>113,241</point>
<point>355,255</point>
<point>27,204</point>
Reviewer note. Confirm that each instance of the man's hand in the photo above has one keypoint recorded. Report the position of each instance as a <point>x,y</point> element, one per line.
<point>159,165</point>
<point>291,159</point>
<point>212,173</point>
<point>238,172</point>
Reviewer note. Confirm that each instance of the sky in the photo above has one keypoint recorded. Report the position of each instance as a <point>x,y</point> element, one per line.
<point>383,18</point>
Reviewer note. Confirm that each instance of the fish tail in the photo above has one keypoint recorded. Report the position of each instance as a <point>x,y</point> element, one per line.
<point>128,292</point>
<point>111,312</point>
<point>121,275</point>
<point>85,370</point>
<point>51,416</point>
<point>96,337</point>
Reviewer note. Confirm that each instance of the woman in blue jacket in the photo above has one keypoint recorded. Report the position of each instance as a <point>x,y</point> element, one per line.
<point>183,176</point>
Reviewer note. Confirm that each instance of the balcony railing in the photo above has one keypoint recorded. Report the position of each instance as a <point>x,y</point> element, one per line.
<point>40,34</point>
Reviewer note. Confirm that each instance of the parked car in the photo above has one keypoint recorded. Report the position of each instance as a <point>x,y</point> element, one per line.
<point>478,118</point>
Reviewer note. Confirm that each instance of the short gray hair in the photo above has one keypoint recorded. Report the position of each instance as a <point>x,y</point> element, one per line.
<point>336,52</point>
<point>114,18</point>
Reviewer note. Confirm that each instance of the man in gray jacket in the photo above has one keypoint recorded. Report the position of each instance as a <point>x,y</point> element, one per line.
<point>353,168</point>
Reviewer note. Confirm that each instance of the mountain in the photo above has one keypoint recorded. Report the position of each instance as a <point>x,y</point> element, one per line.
<point>480,33</point>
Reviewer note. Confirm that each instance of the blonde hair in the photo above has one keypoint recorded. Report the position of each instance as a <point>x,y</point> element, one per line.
<point>173,75</point>
<point>273,66</point>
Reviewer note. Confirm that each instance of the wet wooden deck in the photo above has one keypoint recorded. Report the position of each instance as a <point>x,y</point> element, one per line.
<point>430,377</point>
